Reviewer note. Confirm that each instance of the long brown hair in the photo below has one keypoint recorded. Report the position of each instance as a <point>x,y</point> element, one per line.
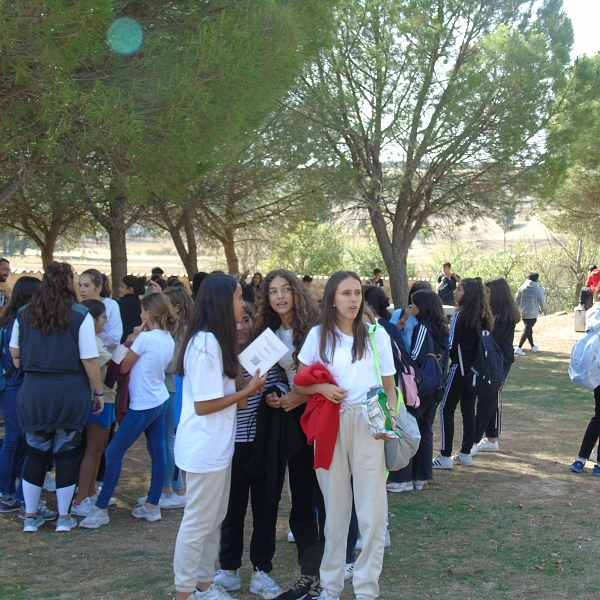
<point>179,296</point>
<point>502,302</point>
<point>24,289</point>
<point>50,308</point>
<point>213,312</point>
<point>473,306</point>
<point>305,313</point>
<point>328,335</point>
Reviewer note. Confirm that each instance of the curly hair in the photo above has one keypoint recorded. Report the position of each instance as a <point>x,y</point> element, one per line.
<point>50,308</point>
<point>473,306</point>
<point>305,313</point>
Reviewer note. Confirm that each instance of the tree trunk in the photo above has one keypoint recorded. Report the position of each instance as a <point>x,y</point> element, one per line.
<point>47,249</point>
<point>233,266</point>
<point>189,254</point>
<point>395,260</point>
<point>117,231</point>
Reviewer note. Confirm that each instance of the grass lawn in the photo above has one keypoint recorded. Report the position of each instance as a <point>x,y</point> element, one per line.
<point>518,524</point>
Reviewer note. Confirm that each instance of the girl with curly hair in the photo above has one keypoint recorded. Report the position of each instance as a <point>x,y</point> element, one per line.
<point>284,305</point>
<point>472,316</point>
<point>54,343</point>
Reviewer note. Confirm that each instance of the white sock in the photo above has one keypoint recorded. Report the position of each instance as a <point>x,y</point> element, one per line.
<point>63,499</point>
<point>31,493</point>
<point>583,460</point>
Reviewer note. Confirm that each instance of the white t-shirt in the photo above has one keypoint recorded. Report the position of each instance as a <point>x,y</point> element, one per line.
<point>357,377</point>
<point>205,443</point>
<point>112,332</point>
<point>147,387</point>
<point>86,338</point>
<point>287,362</point>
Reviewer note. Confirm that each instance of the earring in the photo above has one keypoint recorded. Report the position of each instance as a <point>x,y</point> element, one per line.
<point>334,306</point>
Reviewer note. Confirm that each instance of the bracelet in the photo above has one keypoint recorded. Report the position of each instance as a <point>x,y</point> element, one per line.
<point>98,394</point>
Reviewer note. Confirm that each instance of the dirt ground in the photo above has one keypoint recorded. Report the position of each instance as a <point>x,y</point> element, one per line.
<point>516,525</point>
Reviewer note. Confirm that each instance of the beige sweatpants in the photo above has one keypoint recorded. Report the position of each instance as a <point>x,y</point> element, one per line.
<point>197,545</point>
<point>359,455</point>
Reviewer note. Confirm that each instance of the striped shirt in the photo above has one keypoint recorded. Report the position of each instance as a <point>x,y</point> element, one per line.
<point>246,417</point>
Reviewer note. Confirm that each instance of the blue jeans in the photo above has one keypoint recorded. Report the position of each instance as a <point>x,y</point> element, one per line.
<point>152,423</point>
<point>173,478</point>
<point>12,454</point>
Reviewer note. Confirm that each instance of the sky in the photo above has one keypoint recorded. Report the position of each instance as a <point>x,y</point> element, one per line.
<point>585,16</point>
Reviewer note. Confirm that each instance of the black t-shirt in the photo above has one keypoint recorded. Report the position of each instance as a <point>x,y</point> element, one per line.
<point>446,291</point>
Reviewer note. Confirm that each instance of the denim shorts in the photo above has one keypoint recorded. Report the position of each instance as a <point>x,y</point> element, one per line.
<point>105,419</point>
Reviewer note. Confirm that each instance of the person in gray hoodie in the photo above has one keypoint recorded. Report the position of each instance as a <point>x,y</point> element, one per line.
<point>531,300</point>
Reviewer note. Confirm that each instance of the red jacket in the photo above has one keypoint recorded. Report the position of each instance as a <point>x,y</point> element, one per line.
<point>321,418</point>
<point>593,280</point>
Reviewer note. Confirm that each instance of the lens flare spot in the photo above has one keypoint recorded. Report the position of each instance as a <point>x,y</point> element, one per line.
<point>125,36</point>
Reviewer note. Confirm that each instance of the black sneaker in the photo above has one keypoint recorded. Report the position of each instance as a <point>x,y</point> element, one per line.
<point>300,590</point>
<point>9,503</point>
<point>315,590</point>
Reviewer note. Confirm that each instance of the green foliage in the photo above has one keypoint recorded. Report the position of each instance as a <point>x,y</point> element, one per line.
<point>307,249</point>
<point>432,106</point>
<point>562,266</point>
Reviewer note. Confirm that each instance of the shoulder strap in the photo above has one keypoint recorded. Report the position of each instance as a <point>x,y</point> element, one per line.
<point>372,329</point>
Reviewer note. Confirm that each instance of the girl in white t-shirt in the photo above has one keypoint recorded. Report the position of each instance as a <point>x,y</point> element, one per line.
<point>147,360</point>
<point>93,286</point>
<point>205,438</point>
<point>341,342</point>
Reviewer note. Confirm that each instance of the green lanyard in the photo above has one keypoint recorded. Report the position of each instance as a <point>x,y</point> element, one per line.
<point>372,329</point>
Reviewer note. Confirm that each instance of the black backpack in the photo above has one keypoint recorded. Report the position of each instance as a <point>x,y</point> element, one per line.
<point>487,372</point>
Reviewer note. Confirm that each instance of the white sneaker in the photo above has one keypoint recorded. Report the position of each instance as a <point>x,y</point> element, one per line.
<point>49,483</point>
<point>66,524</point>
<point>228,581</point>
<point>406,486</point>
<point>172,500</point>
<point>442,462</point>
<point>265,586</point>
<point>486,446</point>
<point>420,485</point>
<point>83,509</point>
<point>519,351</point>
<point>463,459</point>
<point>290,537</point>
<point>214,592</point>
<point>141,511</point>
<point>349,571</point>
<point>325,595</point>
<point>96,518</point>
<point>111,502</point>
<point>534,348</point>
<point>474,450</point>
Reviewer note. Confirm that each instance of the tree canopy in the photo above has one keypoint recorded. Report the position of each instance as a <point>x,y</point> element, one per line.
<point>433,106</point>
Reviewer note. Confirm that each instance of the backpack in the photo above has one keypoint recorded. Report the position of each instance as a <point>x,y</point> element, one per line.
<point>4,376</point>
<point>487,372</point>
<point>432,372</point>
<point>584,369</point>
<point>409,375</point>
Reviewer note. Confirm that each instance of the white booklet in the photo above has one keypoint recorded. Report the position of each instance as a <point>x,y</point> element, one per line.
<point>263,353</point>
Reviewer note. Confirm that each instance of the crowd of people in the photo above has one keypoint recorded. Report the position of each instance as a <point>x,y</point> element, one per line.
<point>164,362</point>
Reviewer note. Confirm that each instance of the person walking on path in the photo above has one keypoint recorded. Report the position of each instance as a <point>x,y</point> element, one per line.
<point>531,300</point>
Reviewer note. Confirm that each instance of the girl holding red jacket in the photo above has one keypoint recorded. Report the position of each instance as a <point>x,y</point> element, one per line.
<point>341,342</point>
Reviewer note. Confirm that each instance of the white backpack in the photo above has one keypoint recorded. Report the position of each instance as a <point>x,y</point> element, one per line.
<point>584,369</point>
